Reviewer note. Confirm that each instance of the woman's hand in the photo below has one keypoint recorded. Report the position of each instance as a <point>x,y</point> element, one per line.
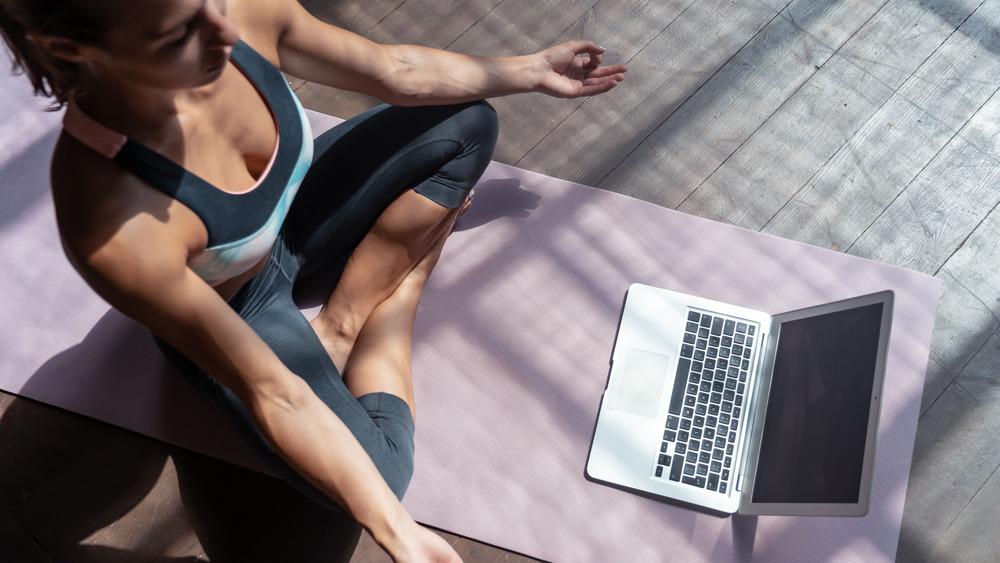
<point>573,69</point>
<point>417,544</point>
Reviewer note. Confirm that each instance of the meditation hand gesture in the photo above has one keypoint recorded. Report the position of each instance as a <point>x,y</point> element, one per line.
<point>567,74</point>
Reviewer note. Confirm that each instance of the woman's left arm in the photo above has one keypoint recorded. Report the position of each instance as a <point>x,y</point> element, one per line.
<point>413,75</point>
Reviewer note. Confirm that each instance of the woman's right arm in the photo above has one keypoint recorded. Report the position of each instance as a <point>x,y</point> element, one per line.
<point>139,265</point>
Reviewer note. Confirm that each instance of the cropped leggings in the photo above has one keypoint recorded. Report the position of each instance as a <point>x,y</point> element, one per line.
<point>358,169</point>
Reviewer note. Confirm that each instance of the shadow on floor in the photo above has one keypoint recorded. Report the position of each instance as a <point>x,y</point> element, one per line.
<point>78,490</point>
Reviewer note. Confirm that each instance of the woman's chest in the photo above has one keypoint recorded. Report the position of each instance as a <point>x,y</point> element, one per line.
<point>230,139</point>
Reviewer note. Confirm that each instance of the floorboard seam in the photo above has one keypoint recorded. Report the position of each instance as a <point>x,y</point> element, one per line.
<point>788,99</point>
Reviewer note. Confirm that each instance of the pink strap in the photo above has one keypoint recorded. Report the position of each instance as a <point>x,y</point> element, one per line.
<point>92,133</point>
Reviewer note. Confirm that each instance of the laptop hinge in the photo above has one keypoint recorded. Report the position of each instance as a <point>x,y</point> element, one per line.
<point>739,483</point>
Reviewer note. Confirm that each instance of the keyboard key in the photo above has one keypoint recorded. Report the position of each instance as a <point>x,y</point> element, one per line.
<point>669,435</point>
<point>688,412</point>
<point>680,448</point>
<point>699,355</point>
<point>709,434</point>
<point>695,481</point>
<point>730,327</point>
<point>717,454</point>
<point>691,458</point>
<point>690,338</point>
<point>682,436</point>
<point>689,400</point>
<point>720,442</point>
<point>713,409</point>
<point>685,424</point>
<point>700,409</point>
<point>701,344</point>
<point>688,469</point>
<point>691,327</point>
<point>659,471</point>
<point>713,482</point>
<point>683,367</point>
<point>663,448</point>
<point>722,487</point>
<point>715,466</point>
<point>750,329</point>
<point>705,457</point>
<point>702,469</point>
<point>664,460</point>
<point>696,433</point>
<point>714,341</point>
<point>703,333</point>
<point>741,327</point>
<point>687,351</point>
<point>717,324</point>
<point>717,398</point>
<point>672,422</point>
<point>695,445</point>
<point>675,468</point>
<point>706,321</point>
<point>693,316</point>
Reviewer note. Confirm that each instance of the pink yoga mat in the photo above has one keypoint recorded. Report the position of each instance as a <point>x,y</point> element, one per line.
<point>514,336</point>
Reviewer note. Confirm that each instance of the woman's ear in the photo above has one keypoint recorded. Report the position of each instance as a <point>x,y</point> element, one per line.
<point>60,47</point>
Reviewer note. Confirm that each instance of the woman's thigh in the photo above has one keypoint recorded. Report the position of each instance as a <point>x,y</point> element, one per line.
<point>363,164</point>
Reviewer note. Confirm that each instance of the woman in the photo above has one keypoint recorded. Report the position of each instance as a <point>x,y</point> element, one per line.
<point>189,194</point>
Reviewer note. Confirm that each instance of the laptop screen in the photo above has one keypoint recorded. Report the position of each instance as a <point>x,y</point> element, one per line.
<point>813,442</point>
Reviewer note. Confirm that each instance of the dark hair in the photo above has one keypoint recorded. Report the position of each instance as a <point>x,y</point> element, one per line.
<point>74,20</point>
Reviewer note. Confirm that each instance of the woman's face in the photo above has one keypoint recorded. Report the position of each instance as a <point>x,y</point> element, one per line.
<point>167,44</point>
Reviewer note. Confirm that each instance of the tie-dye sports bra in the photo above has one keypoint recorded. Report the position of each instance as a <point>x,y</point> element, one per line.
<point>243,226</point>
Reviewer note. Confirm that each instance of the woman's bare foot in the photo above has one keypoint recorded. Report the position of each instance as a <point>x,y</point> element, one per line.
<point>339,335</point>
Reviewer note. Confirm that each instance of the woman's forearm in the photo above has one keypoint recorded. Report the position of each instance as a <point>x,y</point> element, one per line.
<point>422,76</point>
<point>318,445</point>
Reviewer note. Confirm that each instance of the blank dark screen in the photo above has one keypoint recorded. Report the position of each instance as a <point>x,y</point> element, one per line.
<point>813,444</point>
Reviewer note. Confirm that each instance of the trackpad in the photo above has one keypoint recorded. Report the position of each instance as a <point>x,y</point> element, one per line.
<point>640,385</point>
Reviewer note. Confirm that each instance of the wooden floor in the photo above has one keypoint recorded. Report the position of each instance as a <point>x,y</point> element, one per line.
<point>865,126</point>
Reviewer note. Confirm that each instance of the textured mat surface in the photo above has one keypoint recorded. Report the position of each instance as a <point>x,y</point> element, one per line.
<point>512,351</point>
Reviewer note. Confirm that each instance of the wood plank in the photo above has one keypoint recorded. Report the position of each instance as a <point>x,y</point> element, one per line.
<point>359,17</point>
<point>843,199</point>
<point>972,536</point>
<point>17,545</point>
<point>624,27</point>
<point>722,114</point>
<point>665,73</point>
<point>822,115</point>
<point>962,327</point>
<point>93,472</point>
<point>957,450</point>
<point>931,219</point>
<point>157,526</point>
<point>957,447</point>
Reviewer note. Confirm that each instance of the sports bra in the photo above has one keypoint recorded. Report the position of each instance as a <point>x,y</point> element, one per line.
<point>242,227</point>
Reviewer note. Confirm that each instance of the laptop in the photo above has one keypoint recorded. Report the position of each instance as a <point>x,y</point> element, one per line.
<point>736,411</point>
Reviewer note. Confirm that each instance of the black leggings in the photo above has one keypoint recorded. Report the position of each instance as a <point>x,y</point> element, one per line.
<point>358,169</point>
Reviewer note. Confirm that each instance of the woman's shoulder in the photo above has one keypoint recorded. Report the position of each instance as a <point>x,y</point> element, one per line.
<point>99,203</point>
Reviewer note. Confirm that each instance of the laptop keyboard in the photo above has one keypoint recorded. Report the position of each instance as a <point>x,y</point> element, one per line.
<point>706,407</point>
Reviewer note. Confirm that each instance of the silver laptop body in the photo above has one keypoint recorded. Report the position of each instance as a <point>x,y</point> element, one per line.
<point>733,410</point>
